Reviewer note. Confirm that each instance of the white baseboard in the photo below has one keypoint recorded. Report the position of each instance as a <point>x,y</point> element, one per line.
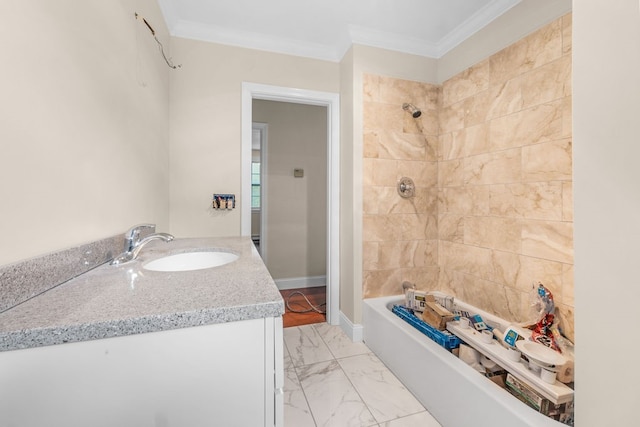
<point>301,282</point>
<point>354,332</point>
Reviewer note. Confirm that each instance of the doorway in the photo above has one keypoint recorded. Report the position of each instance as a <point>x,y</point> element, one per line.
<point>251,92</point>
<point>289,203</point>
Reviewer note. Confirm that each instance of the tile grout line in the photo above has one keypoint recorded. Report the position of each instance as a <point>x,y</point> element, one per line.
<point>315,423</point>
<point>353,385</point>
<point>349,379</point>
<point>295,371</point>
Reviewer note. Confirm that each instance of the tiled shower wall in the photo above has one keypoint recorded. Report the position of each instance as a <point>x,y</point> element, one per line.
<point>503,218</point>
<point>400,235</point>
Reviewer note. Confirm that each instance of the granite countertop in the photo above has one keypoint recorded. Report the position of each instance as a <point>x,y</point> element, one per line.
<point>111,301</point>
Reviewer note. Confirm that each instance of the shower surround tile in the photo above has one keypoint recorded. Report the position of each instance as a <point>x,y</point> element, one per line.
<point>494,168</point>
<point>548,161</point>
<point>535,50</point>
<point>548,240</point>
<point>397,91</point>
<point>531,126</point>
<point>501,174</point>
<point>537,200</point>
<point>471,81</point>
<point>377,283</point>
<point>567,26</point>
<point>399,235</point>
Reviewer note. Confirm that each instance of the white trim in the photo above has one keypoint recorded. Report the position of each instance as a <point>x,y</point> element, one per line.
<point>264,132</point>
<point>334,51</point>
<point>475,23</point>
<point>301,282</point>
<point>274,341</point>
<point>330,100</point>
<point>355,332</point>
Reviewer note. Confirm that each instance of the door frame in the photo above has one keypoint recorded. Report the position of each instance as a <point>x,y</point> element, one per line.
<point>264,135</point>
<point>331,101</point>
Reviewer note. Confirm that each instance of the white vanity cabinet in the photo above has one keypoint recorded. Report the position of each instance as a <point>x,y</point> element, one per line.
<point>225,374</point>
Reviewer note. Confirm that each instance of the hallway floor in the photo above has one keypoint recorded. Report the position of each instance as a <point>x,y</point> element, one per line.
<point>331,381</point>
<point>301,300</point>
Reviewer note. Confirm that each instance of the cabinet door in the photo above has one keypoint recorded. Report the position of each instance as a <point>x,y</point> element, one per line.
<point>203,376</point>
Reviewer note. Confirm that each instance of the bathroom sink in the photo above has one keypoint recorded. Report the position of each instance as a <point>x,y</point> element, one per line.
<point>189,261</point>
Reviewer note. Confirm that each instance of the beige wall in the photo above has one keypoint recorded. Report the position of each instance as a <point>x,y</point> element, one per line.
<point>296,208</point>
<point>206,124</point>
<point>606,66</point>
<point>84,123</point>
<point>350,204</point>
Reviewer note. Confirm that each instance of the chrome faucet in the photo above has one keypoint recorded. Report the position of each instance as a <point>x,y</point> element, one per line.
<point>133,244</point>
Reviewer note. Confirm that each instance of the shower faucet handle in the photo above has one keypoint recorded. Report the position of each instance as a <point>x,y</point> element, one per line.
<point>406,187</point>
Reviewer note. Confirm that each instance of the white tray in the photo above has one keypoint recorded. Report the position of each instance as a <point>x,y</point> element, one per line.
<point>557,393</point>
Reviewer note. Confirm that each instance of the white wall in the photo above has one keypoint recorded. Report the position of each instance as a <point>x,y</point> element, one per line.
<point>83,123</point>
<point>206,125</point>
<point>606,95</point>
<point>297,207</point>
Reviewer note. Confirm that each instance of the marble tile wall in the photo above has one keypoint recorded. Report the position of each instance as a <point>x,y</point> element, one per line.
<point>400,235</point>
<point>498,214</point>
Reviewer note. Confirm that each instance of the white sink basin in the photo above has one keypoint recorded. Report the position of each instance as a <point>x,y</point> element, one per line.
<point>189,261</point>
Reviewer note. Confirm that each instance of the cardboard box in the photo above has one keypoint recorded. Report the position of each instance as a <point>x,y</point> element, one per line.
<point>498,378</point>
<point>436,315</point>
<point>561,412</point>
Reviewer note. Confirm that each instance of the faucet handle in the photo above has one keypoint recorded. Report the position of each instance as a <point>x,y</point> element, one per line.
<point>132,236</point>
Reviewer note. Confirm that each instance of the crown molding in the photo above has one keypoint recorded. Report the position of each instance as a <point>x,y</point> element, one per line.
<point>473,24</point>
<point>249,40</point>
<point>356,35</point>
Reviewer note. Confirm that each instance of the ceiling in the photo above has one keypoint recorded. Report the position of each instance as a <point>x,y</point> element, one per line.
<point>325,29</point>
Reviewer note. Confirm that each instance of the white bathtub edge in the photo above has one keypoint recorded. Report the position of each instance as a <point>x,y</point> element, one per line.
<point>453,392</point>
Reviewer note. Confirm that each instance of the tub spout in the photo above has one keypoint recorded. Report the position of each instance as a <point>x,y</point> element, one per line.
<point>407,285</point>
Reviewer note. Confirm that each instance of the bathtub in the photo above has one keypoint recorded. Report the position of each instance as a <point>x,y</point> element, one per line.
<point>453,392</point>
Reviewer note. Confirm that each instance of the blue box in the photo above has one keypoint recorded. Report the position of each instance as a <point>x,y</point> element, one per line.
<point>444,338</point>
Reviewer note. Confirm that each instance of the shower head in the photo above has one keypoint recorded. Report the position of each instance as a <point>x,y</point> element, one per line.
<point>415,111</point>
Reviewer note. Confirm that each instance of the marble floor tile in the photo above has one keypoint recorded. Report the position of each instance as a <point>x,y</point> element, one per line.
<point>338,342</point>
<point>332,398</point>
<point>296,408</point>
<point>381,391</point>
<point>306,346</point>
<point>333,382</point>
<point>288,363</point>
<point>422,419</point>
